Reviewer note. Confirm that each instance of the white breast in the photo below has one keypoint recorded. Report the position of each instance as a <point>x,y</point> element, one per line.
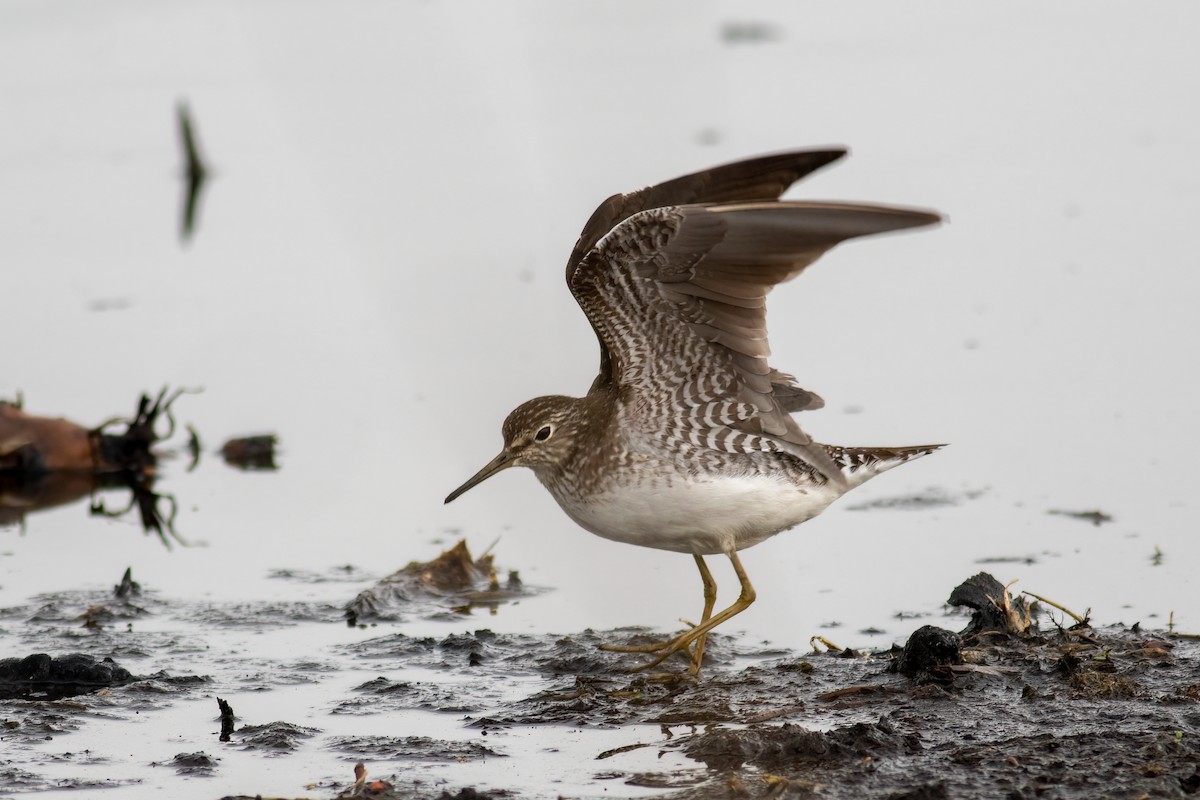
<point>698,515</point>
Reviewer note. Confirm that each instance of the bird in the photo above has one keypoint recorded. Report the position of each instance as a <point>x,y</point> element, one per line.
<point>686,439</point>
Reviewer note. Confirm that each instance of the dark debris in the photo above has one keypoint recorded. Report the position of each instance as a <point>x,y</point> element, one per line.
<point>251,452</point>
<point>453,582</point>
<point>41,675</point>
<point>1096,517</point>
<point>994,609</point>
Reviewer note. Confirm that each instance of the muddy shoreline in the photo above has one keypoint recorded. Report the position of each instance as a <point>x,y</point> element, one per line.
<point>1000,710</point>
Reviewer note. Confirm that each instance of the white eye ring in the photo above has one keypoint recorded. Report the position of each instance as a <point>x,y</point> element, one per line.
<point>544,433</point>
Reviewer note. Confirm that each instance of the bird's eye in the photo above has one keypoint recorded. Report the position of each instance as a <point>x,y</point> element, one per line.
<point>543,434</point>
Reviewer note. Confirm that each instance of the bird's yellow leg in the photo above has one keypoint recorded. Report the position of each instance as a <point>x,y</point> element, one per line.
<point>684,640</point>
<point>745,597</point>
<point>710,599</point>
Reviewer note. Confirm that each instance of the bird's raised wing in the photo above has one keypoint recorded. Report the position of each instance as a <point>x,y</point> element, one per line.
<point>764,177</point>
<point>760,178</point>
<point>677,296</point>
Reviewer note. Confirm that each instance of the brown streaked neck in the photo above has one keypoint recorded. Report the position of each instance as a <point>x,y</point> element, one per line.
<point>594,442</point>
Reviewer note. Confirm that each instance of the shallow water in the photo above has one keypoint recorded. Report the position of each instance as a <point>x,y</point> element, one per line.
<point>376,277</point>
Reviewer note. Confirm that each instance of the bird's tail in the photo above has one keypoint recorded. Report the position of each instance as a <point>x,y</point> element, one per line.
<point>860,464</point>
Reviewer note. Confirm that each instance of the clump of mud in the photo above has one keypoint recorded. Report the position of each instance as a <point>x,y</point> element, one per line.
<point>453,582</point>
<point>49,678</point>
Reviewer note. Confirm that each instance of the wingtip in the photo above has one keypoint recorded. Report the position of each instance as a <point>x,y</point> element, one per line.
<point>831,151</point>
<point>814,158</point>
<point>900,218</point>
<point>918,217</point>
<point>834,151</point>
<point>935,217</point>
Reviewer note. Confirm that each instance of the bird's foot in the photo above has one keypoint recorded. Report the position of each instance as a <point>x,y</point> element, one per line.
<point>680,644</point>
<point>653,647</point>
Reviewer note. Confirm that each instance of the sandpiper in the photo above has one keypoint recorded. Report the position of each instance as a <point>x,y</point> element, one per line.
<point>685,441</point>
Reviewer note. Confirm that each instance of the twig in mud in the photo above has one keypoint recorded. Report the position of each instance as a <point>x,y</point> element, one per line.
<point>867,688</point>
<point>226,719</point>
<point>813,641</point>
<point>623,749</point>
<point>1060,607</point>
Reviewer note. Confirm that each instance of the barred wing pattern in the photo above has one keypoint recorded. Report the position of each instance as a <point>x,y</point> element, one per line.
<point>761,178</point>
<point>677,296</point>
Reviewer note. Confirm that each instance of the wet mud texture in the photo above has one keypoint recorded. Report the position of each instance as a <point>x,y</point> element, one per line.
<point>1064,713</point>
<point>998,711</point>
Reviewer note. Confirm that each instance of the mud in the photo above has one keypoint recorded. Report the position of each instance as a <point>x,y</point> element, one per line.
<point>454,582</point>
<point>39,675</point>
<point>1064,714</point>
<point>1001,710</point>
<point>1108,713</point>
<point>198,763</point>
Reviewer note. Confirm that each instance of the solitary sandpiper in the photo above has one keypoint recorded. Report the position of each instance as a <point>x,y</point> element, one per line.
<point>685,441</point>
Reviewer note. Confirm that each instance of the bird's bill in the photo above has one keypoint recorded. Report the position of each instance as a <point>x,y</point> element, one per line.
<point>502,461</point>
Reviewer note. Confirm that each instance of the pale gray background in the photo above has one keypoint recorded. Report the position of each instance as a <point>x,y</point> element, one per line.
<point>377,276</point>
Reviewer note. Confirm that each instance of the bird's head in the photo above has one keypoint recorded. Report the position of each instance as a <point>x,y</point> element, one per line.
<point>537,434</point>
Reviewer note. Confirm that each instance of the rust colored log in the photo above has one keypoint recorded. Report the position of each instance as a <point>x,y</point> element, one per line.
<point>34,445</point>
<point>51,461</point>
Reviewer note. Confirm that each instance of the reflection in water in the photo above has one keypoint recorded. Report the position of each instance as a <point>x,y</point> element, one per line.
<point>21,495</point>
<point>47,462</point>
<point>194,171</point>
<point>150,510</point>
